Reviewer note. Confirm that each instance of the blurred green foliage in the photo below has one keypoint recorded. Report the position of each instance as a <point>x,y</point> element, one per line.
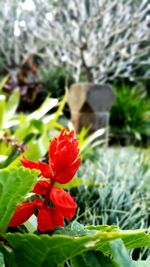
<point>55,80</point>
<point>130,114</point>
<point>27,134</point>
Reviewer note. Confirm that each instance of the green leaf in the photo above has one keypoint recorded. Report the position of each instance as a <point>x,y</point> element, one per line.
<point>75,226</point>
<point>37,148</point>
<point>2,109</point>
<point>47,105</point>
<point>38,251</point>
<point>104,227</point>
<point>3,81</point>
<point>2,264</point>
<point>76,181</point>
<point>142,263</point>
<point>120,254</point>
<point>88,142</point>
<point>140,239</point>
<point>14,163</point>
<point>52,123</point>
<point>24,130</point>
<point>39,125</point>
<point>12,105</point>
<point>30,125</point>
<point>9,256</point>
<point>14,185</point>
<point>3,158</point>
<point>91,259</point>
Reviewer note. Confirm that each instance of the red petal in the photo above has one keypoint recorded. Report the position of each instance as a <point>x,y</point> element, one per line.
<point>67,174</point>
<point>52,148</point>
<point>45,220</point>
<point>22,214</point>
<point>41,187</point>
<point>29,163</point>
<point>44,168</point>
<point>65,157</point>
<point>48,219</point>
<point>61,143</point>
<point>63,202</point>
<point>63,134</point>
<point>38,203</point>
<point>58,218</point>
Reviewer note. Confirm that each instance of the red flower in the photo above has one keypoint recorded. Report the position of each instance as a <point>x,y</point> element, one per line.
<point>63,159</point>
<point>48,218</point>
<point>63,164</point>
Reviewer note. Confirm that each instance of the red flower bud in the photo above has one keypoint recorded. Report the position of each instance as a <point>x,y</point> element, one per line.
<point>63,159</point>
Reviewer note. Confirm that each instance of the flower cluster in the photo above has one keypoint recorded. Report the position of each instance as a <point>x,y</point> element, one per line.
<point>53,203</point>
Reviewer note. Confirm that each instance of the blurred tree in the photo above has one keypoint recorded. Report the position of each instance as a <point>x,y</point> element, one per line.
<point>100,40</point>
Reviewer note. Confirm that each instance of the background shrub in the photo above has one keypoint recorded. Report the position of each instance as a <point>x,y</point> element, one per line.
<point>130,114</point>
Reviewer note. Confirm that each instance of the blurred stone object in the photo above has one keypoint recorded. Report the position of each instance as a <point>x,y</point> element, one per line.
<point>89,106</point>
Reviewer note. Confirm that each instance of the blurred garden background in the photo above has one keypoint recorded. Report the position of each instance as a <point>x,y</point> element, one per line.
<point>52,54</point>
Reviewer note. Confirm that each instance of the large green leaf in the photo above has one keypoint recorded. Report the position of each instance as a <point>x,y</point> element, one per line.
<point>92,259</point>
<point>14,185</point>
<point>45,251</point>
<point>140,240</point>
<point>120,254</point>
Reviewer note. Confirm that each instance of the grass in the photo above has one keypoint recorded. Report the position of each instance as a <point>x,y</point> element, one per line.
<point>119,194</point>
